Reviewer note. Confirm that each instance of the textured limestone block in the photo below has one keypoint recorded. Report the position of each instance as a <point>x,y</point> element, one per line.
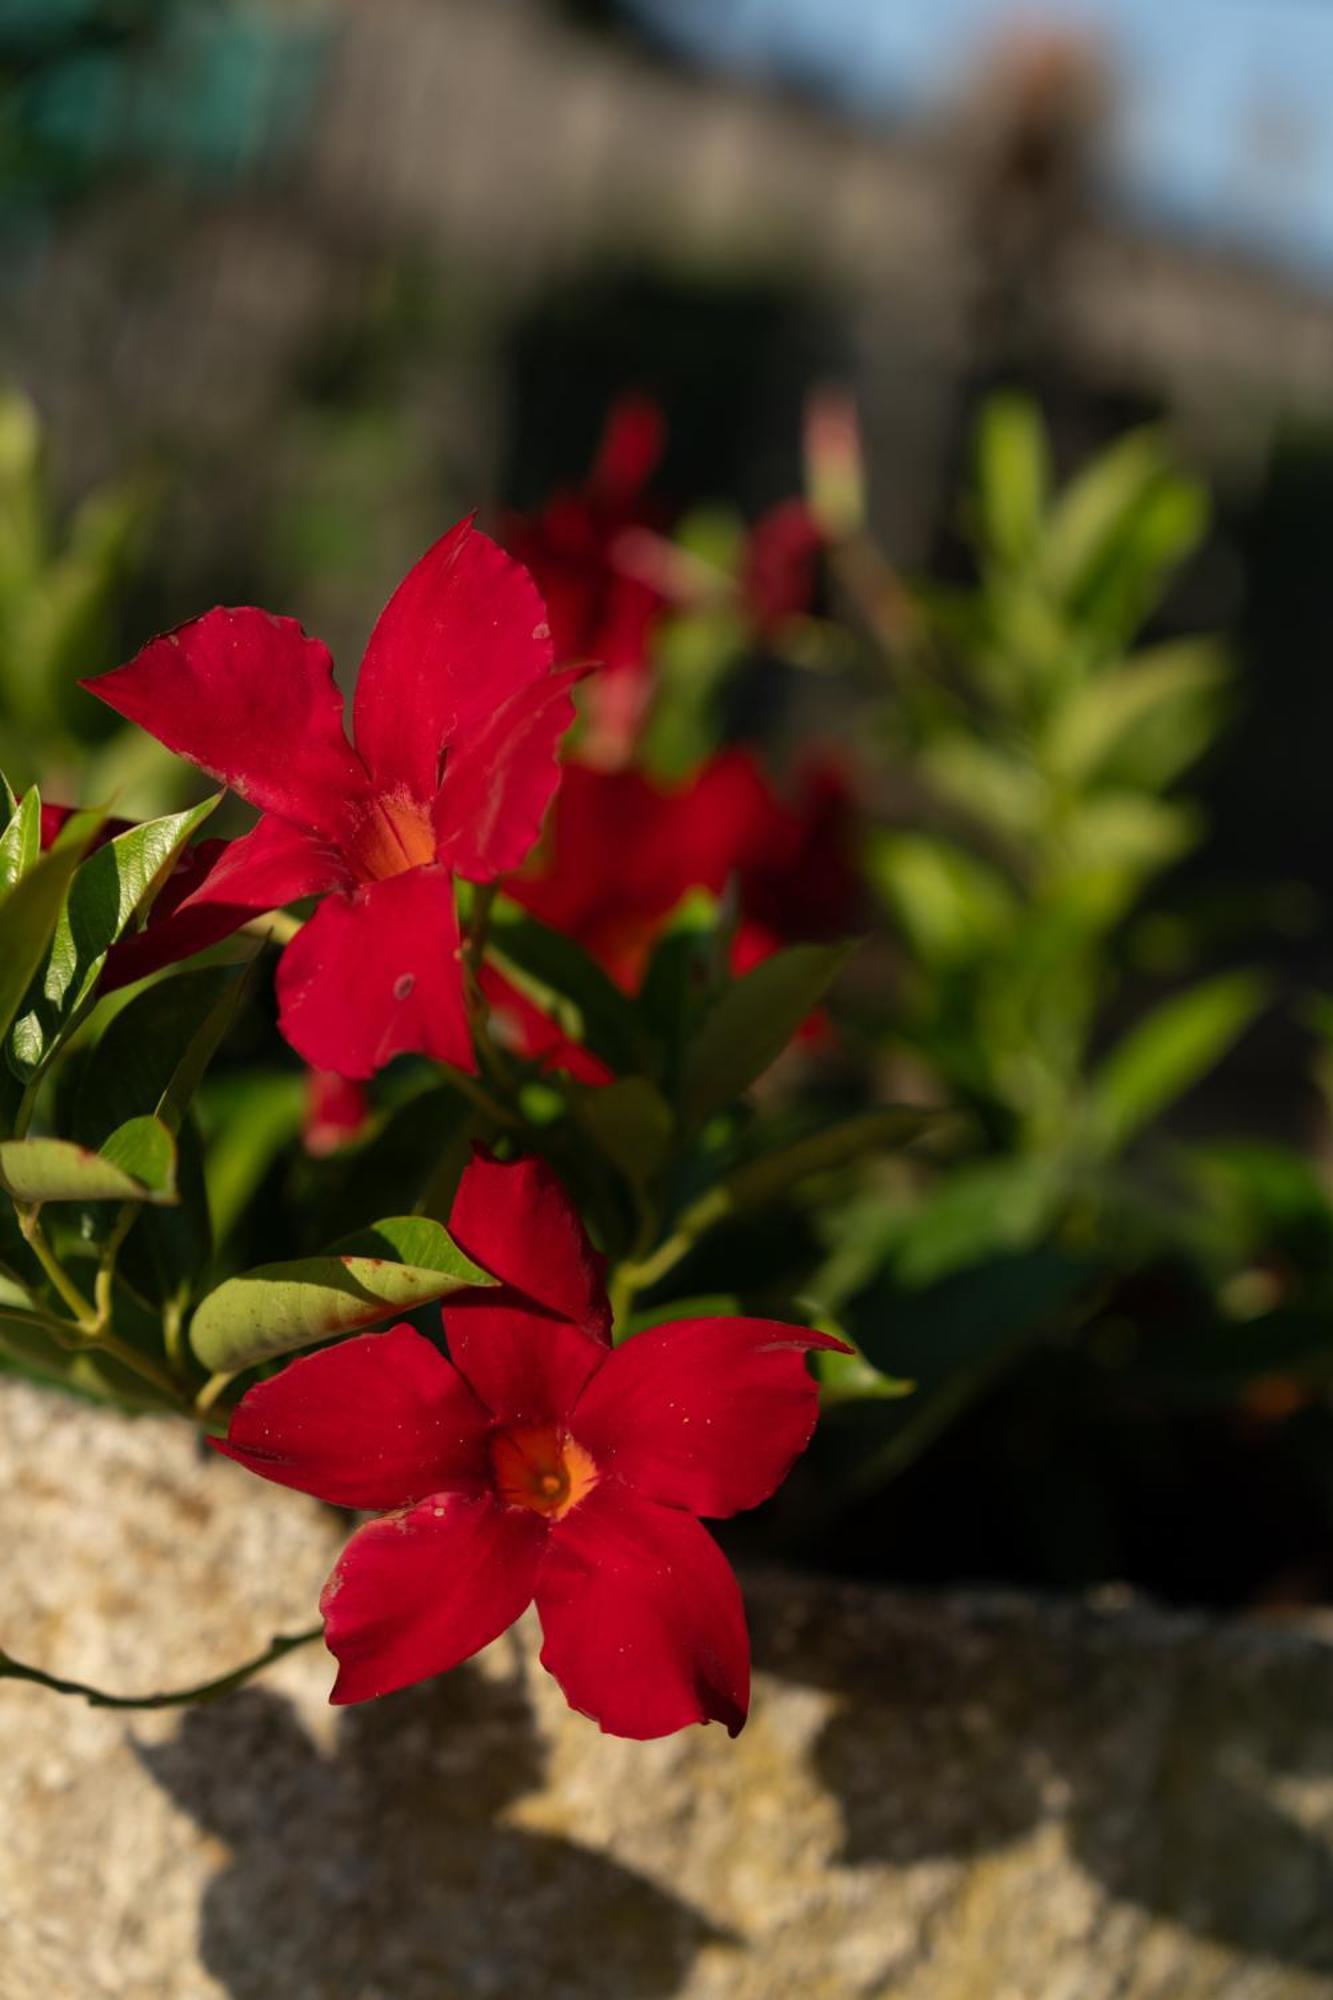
<point>940,1799</point>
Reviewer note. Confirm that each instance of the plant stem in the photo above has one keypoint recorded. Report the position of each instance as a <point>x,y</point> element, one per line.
<point>13,1669</point>
<point>35,1238</point>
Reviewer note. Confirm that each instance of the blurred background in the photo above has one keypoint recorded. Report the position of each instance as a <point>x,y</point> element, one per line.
<point>290,286</point>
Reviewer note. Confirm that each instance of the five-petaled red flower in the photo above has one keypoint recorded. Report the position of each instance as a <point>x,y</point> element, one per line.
<point>540,1463</point>
<point>457,716</point>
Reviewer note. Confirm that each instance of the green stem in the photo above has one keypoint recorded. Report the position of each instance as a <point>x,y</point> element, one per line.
<point>13,1669</point>
<point>35,1238</point>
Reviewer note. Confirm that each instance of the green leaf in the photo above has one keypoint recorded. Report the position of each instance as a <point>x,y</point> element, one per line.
<point>21,841</point>
<point>111,887</point>
<point>275,1309</point>
<point>752,1022</point>
<point>144,1148</point>
<point>155,1052</point>
<point>630,1121</point>
<point>950,904</point>
<point>1013,476</point>
<point>30,912</point>
<point>137,1163</point>
<point>568,986</point>
<point>887,1129</point>
<point>1166,1054</point>
<point>1141,723</point>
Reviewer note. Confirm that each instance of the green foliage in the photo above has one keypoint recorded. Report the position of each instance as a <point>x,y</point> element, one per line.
<point>393,1267</point>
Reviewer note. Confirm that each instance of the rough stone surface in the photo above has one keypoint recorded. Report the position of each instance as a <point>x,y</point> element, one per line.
<point>957,1799</point>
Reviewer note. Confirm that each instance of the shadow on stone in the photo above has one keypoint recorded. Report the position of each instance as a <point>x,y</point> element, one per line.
<point>1188,1764</point>
<point>379,1871</point>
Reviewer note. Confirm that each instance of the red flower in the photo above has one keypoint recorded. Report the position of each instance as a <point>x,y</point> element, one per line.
<point>599,609</point>
<point>622,851</point>
<point>336,1111</point>
<point>779,569</point>
<point>457,717</point>
<point>540,1463</point>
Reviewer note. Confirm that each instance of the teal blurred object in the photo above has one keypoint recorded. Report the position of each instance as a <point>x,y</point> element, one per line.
<point>208,91</point>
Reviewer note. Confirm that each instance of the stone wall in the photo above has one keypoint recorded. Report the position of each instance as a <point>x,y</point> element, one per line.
<point>940,1799</point>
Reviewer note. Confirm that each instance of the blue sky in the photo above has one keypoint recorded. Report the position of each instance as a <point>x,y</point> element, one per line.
<point>1225,113</point>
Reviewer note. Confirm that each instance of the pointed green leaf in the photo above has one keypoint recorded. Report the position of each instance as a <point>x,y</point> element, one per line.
<point>1166,1054</point>
<point>21,841</point>
<point>752,1022</point>
<point>30,912</point>
<point>402,1263</point>
<point>116,883</point>
<point>144,1148</point>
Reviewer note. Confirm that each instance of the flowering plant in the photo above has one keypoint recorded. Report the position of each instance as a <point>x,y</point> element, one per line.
<point>548,1446</point>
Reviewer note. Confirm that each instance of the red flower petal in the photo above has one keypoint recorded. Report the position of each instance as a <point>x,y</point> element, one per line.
<point>516,1220</point>
<point>499,780</point>
<point>252,699</point>
<point>529,1347</point>
<point>706,1414</point>
<point>415,1593</point>
<point>271,865</point>
<point>375,975</point>
<point>464,630</point>
<point>377,1422</point>
<point>631,448</point>
<point>643,1621</point>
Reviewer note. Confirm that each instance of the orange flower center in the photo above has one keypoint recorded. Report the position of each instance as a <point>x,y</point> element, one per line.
<point>541,1468</point>
<point>393,834</point>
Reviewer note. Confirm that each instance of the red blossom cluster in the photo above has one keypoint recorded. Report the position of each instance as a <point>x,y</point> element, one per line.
<point>533,1461</point>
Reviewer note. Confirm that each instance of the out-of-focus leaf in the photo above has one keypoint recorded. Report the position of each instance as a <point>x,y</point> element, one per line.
<point>401,1263</point>
<point>630,1121</point>
<point>1013,476</point>
<point>30,912</point>
<point>752,1021</point>
<point>568,986</point>
<point>1140,724</point>
<point>246,1125</point>
<point>886,1129</point>
<point>1119,528</point>
<point>1166,1054</point>
<point>113,885</point>
<point>948,903</point>
<point>985,1210</point>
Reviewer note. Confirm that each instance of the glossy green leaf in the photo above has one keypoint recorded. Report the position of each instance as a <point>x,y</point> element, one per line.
<point>116,883</point>
<point>21,841</point>
<point>400,1264</point>
<point>30,912</point>
<point>1166,1054</point>
<point>752,1021</point>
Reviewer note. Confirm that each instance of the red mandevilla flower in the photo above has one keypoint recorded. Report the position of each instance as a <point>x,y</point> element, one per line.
<point>622,850</point>
<point>457,716</point>
<point>540,1463</point>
